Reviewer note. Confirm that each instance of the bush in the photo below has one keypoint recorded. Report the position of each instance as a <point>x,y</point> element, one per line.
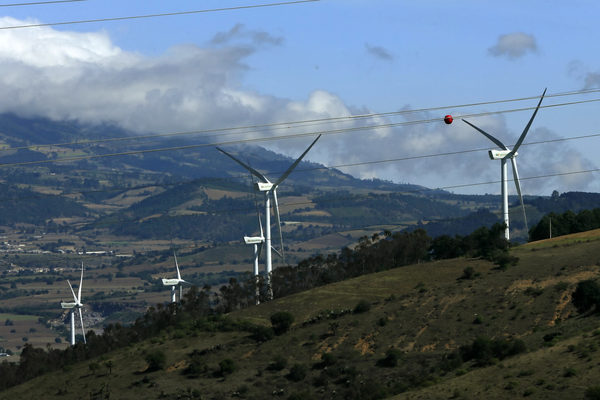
<point>281,322</point>
<point>297,373</point>
<point>262,333</point>
<point>468,273</point>
<point>592,393</point>
<point>483,350</point>
<point>586,296</point>
<point>156,360</point>
<point>361,307</point>
<point>277,364</point>
<point>227,367</point>
<point>392,356</point>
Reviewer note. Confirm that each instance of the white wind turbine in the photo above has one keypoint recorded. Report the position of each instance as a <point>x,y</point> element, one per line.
<point>174,282</point>
<point>506,154</point>
<point>269,188</point>
<point>258,243</point>
<point>76,305</point>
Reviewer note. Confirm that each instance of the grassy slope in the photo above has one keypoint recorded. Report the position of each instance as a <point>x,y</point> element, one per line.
<point>426,312</point>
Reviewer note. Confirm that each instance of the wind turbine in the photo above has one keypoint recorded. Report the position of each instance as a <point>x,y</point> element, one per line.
<point>174,282</point>
<point>76,305</point>
<point>508,154</point>
<point>269,188</point>
<point>257,242</point>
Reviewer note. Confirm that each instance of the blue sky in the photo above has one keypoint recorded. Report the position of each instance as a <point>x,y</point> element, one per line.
<point>325,59</point>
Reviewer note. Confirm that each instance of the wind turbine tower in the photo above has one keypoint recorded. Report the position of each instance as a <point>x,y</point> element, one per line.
<point>507,154</point>
<point>257,242</point>
<point>270,189</point>
<point>74,306</point>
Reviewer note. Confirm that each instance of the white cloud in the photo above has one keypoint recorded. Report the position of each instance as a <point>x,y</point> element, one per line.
<point>84,76</point>
<point>514,45</point>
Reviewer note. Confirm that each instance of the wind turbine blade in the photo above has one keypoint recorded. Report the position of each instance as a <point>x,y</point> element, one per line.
<point>279,222</point>
<point>522,137</point>
<point>260,246</point>
<point>518,185</point>
<point>82,327</point>
<point>72,291</point>
<point>487,135</point>
<point>262,234</point>
<point>80,284</point>
<point>249,168</point>
<point>177,266</point>
<point>276,251</point>
<point>291,168</point>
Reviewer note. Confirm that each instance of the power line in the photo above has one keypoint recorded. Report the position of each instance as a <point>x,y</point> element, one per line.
<point>34,3</point>
<point>354,196</point>
<point>371,162</point>
<point>313,122</point>
<point>170,14</point>
<point>274,138</point>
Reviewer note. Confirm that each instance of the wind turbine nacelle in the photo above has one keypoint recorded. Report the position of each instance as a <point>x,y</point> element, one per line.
<point>68,305</point>
<point>171,282</point>
<point>254,239</point>
<point>263,186</point>
<point>498,154</point>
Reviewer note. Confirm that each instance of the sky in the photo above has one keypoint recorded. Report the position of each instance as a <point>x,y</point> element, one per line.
<point>324,59</point>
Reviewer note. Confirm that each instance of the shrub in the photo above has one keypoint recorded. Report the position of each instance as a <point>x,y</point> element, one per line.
<point>361,307</point>
<point>586,296</point>
<point>227,367</point>
<point>262,333</point>
<point>297,373</point>
<point>483,350</point>
<point>327,360</point>
<point>468,273</point>
<point>196,365</point>
<point>592,393</point>
<point>156,360</point>
<point>281,322</point>
<point>277,364</point>
<point>392,356</point>
<point>534,291</point>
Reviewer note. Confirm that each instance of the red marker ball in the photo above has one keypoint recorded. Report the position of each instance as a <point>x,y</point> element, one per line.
<point>448,119</point>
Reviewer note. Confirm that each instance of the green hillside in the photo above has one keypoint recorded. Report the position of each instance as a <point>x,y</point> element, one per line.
<point>391,333</point>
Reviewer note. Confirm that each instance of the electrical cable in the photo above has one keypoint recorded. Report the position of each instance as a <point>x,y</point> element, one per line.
<point>312,122</point>
<point>35,3</point>
<point>338,166</point>
<point>274,138</point>
<point>304,203</point>
<point>169,14</point>
<point>413,191</point>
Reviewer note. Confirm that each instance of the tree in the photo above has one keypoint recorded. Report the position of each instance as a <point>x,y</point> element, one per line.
<point>281,322</point>
<point>297,373</point>
<point>227,367</point>
<point>109,364</point>
<point>586,296</point>
<point>361,307</point>
<point>156,360</point>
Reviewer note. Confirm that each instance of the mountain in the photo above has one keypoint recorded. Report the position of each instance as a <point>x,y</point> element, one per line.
<point>124,216</point>
<point>148,187</point>
<point>424,331</point>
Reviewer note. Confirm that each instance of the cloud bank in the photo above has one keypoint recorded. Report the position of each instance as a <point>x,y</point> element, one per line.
<point>514,45</point>
<point>85,77</point>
